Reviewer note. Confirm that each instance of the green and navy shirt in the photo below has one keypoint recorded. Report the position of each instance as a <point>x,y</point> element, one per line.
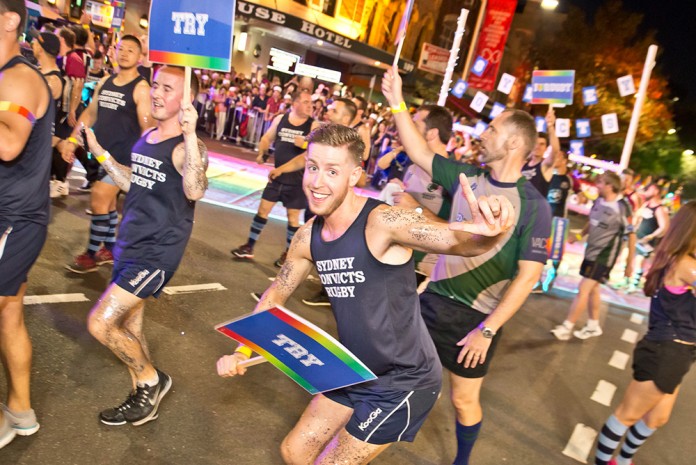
<point>480,282</point>
<point>609,221</point>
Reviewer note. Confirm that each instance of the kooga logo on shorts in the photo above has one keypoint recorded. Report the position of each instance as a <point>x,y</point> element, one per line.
<point>363,426</point>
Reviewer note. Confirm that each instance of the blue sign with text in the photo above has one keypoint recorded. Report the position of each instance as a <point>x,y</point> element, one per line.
<point>582,128</point>
<point>459,88</point>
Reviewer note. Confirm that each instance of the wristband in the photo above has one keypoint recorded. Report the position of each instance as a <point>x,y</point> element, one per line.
<point>578,236</point>
<point>244,350</point>
<point>72,140</point>
<point>305,144</point>
<point>399,108</point>
<point>103,157</point>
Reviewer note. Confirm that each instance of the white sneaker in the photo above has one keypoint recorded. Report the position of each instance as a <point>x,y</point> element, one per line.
<point>63,188</point>
<point>561,332</point>
<point>53,189</point>
<point>586,333</point>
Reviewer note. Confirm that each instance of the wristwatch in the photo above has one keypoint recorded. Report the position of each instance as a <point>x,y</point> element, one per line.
<point>487,332</point>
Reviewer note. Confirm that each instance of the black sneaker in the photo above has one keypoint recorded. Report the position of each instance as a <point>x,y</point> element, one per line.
<point>140,406</point>
<point>243,251</point>
<point>85,187</point>
<point>319,300</point>
<point>278,263</point>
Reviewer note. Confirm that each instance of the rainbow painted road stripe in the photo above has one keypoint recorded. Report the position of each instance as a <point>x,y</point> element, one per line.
<point>304,352</point>
<point>194,61</point>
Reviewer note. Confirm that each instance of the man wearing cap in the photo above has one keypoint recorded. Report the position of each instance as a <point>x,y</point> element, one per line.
<point>26,118</point>
<point>273,106</point>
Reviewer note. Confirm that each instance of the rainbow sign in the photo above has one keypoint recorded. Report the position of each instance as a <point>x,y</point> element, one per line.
<point>304,352</point>
<point>192,33</point>
<point>553,87</point>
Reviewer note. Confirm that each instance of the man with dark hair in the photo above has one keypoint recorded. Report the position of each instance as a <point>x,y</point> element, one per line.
<point>470,298</point>
<point>358,123</point>
<point>165,178</point>
<point>119,113</point>
<point>287,187</point>
<point>353,425</point>
<point>77,63</point>
<point>539,169</point>
<point>26,119</point>
<point>610,218</point>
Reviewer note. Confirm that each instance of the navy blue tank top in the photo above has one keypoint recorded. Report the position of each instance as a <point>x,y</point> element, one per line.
<point>559,186</point>
<point>672,316</point>
<point>536,177</point>
<point>376,307</point>
<point>648,223</point>
<point>286,150</point>
<point>117,127</point>
<point>24,180</point>
<point>157,216</point>
<point>60,128</point>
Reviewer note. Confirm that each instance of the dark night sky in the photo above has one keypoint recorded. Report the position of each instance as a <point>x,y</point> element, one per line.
<point>676,36</point>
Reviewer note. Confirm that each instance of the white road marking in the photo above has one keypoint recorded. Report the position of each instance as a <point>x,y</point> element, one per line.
<point>54,299</point>
<point>637,318</point>
<point>603,393</point>
<point>629,336</point>
<point>172,290</point>
<point>619,360</point>
<point>580,443</point>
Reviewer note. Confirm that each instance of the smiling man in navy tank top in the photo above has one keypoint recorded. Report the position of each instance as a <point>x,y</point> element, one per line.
<point>26,118</point>
<point>165,178</point>
<point>362,250</point>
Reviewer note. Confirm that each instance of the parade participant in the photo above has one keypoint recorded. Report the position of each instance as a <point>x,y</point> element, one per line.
<point>354,424</point>
<point>628,186</point>
<point>26,118</point>
<point>469,299</point>
<point>652,223</point>
<point>286,188</point>
<point>165,178</point>
<point>559,187</point>
<point>119,113</point>
<point>610,218</point>
<point>665,354</point>
<point>539,170</point>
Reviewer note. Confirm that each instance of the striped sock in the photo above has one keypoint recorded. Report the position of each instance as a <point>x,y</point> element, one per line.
<point>466,437</point>
<point>609,438</point>
<point>637,435</point>
<point>111,237</point>
<point>257,225</point>
<point>98,232</point>
<point>291,233</point>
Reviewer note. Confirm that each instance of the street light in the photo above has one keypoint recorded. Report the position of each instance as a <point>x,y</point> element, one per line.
<point>671,131</point>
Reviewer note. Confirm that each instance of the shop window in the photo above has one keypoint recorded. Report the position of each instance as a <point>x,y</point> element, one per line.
<point>328,7</point>
<point>352,9</point>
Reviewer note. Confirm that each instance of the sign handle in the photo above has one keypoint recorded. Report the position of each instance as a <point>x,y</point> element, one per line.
<point>187,85</point>
<point>252,361</point>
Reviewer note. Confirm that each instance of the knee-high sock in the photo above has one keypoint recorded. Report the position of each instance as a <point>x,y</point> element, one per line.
<point>609,438</point>
<point>111,236</point>
<point>257,225</point>
<point>637,435</point>
<point>466,437</point>
<point>98,232</point>
<point>291,233</point>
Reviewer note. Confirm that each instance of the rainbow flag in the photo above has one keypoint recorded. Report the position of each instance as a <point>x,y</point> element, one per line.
<point>304,352</point>
<point>401,32</point>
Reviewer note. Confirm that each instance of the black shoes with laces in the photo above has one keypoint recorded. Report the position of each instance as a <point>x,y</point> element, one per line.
<point>140,406</point>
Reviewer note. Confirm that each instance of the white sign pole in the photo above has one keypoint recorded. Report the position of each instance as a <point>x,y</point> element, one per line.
<point>187,84</point>
<point>637,108</point>
<point>454,54</point>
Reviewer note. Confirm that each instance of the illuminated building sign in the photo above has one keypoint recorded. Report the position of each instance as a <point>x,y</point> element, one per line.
<point>316,72</point>
<point>283,61</point>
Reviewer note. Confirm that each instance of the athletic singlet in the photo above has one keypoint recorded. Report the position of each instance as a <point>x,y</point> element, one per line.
<point>157,216</point>
<point>648,223</point>
<point>117,127</point>
<point>58,102</point>
<point>609,221</point>
<point>376,308</point>
<point>559,186</point>
<point>286,150</point>
<point>536,177</point>
<point>672,316</point>
<point>24,180</point>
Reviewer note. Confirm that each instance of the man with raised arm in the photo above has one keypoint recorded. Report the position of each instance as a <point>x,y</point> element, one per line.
<point>375,302</point>
<point>469,299</point>
<point>165,178</point>
<point>26,119</point>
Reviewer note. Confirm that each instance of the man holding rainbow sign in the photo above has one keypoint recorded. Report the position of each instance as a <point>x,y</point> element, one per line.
<point>362,250</point>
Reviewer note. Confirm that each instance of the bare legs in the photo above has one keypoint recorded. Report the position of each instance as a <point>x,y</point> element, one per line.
<point>15,351</point>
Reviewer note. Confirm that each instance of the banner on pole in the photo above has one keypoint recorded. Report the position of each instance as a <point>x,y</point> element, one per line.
<point>559,232</point>
<point>401,32</point>
<point>549,87</point>
<point>304,352</point>
<point>192,33</point>
<point>491,44</point>
<point>433,59</point>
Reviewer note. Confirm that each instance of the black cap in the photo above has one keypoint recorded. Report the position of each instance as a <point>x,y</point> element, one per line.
<point>48,41</point>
